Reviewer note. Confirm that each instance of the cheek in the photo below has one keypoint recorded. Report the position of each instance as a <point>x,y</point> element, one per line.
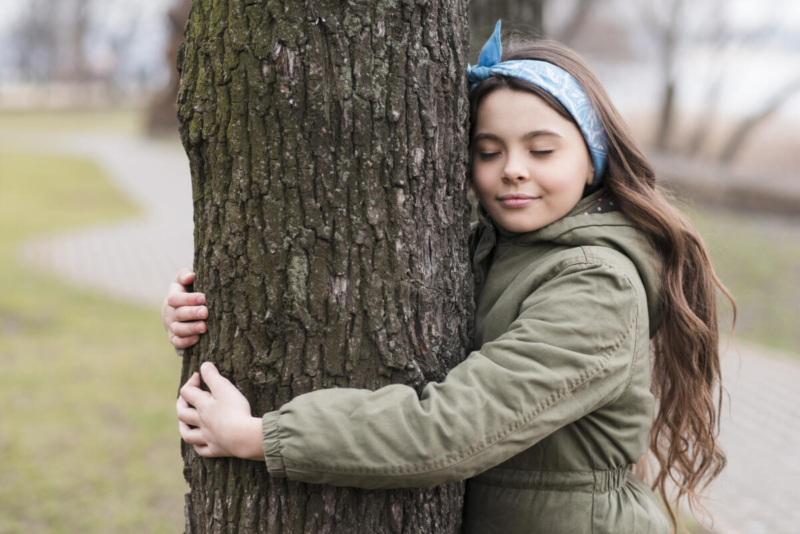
<point>566,173</point>
<point>481,182</point>
<point>481,187</point>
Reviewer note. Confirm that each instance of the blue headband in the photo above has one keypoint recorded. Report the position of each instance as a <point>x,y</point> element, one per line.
<point>555,81</point>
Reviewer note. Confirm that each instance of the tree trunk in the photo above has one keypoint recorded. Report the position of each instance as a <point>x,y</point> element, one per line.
<point>327,145</point>
<point>161,117</point>
<point>527,15</point>
<point>669,38</point>
<point>575,22</point>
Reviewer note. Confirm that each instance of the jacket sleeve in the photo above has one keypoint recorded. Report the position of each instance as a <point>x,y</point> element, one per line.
<point>567,353</point>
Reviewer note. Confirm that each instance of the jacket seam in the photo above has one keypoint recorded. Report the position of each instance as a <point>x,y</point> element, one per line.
<point>635,358</point>
<point>546,404</point>
<point>572,471</point>
<point>555,489</point>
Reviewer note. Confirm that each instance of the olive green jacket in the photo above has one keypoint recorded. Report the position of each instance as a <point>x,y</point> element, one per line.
<point>545,415</point>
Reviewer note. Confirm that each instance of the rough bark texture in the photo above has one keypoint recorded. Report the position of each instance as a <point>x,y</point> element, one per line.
<point>327,144</point>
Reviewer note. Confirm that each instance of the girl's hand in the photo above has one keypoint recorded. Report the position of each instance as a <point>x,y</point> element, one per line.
<point>182,312</point>
<point>224,424</point>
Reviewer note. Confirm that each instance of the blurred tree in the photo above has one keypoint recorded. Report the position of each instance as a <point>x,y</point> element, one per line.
<point>530,16</point>
<point>75,43</point>
<point>327,147</point>
<point>36,34</point>
<point>669,22</point>
<point>484,14</point>
<point>748,125</point>
<point>51,36</point>
<point>76,67</point>
<point>162,117</point>
<point>662,19</point>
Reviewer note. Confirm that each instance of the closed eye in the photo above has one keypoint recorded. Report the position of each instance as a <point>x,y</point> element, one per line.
<point>490,155</point>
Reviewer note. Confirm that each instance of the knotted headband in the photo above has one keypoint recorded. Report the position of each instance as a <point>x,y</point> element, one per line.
<point>555,81</point>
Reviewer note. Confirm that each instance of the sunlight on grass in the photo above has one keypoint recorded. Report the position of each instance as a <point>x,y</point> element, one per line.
<point>130,121</point>
<point>757,259</point>
<point>88,442</point>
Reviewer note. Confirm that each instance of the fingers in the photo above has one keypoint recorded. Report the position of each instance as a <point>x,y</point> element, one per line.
<point>187,414</point>
<point>187,329</point>
<point>181,298</point>
<point>184,276</point>
<point>212,377</point>
<point>190,313</point>
<point>205,451</point>
<point>183,342</point>
<point>192,436</point>
<point>192,393</point>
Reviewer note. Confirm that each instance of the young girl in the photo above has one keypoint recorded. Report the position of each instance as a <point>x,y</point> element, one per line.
<point>579,261</point>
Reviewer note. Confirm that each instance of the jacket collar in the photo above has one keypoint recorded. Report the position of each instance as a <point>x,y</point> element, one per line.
<point>596,220</point>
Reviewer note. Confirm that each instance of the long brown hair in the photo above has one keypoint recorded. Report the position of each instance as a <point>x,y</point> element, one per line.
<point>686,366</point>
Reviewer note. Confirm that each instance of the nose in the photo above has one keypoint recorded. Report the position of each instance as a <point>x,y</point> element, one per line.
<point>516,168</point>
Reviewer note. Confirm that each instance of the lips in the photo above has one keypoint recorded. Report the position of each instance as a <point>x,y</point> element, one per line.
<point>517,200</point>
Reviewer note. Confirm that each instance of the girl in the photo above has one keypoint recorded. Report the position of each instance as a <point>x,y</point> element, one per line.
<point>580,261</point>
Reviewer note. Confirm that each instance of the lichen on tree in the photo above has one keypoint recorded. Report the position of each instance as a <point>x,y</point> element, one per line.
<point>327,145</point>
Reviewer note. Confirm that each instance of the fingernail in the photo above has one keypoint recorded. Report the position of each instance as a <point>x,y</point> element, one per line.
<point>200,328</point>
<point>201,300</point>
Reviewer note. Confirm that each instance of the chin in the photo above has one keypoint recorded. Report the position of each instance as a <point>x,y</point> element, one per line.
<point>524,229</point>
<point>521,228</point>
<point>522,223</point>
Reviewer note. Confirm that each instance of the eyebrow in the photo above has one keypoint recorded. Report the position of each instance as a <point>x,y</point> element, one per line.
<point>527,136</point>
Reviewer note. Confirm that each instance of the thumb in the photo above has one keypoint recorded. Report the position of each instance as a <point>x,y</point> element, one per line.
<point>212,378</point>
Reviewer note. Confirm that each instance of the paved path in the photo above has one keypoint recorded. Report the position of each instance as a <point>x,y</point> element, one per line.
<point>135,259</point>
<point>758,493</point>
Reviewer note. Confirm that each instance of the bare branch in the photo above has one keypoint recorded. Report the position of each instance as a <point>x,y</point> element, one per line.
<point>747,126</point>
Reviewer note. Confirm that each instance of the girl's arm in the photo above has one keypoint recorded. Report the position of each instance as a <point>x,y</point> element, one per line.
<point>568,352</point>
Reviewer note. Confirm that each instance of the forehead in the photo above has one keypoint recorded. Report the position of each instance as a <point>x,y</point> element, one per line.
<point>510,112</point>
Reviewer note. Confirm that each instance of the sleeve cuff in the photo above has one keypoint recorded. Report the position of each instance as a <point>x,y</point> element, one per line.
<point>271,444</point>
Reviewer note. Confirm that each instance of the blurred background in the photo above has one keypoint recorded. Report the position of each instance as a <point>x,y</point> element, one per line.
<point>96,219</point>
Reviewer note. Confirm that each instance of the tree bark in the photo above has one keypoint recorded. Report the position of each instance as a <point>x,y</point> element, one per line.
<point>327,145</point>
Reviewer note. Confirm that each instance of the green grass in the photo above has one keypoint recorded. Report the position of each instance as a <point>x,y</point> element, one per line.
<point>757,259</point>
<point>88,436</point>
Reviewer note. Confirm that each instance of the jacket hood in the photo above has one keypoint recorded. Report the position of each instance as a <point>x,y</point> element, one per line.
<point>595,221</point>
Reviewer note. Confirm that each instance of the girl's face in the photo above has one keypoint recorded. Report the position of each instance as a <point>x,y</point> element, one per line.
<point>529,164</point>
